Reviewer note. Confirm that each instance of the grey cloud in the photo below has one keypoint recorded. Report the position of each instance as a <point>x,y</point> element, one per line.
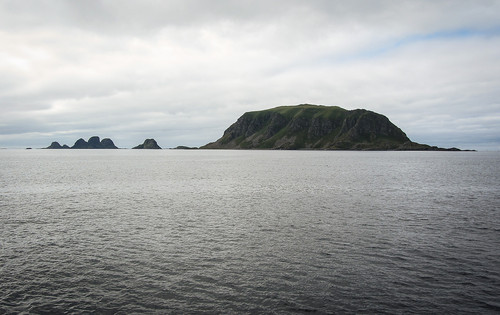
<point>182,71</point>
<point>130,15</point>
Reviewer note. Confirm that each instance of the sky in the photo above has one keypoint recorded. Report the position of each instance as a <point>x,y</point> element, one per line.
<point>181,72</point>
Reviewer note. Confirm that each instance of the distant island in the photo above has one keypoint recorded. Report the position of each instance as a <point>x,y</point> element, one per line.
<point>148,144</point>
<point>56,145</point>
<point>316,127</point>
<point>305,126</point>
<point>93,143</point>
<point>183,147</point>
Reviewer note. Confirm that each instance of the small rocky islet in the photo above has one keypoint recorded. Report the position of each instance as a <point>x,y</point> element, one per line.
<point>93,143</point>
<point>56,145</point>
<point>148,144</point>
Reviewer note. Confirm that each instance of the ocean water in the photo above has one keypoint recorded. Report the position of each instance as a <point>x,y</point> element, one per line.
<point>170,231</point>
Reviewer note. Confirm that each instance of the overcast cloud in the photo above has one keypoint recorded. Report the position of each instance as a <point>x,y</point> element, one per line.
<point>182,71</point>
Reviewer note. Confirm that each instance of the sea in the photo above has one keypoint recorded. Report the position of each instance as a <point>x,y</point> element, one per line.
<point>245,232</point>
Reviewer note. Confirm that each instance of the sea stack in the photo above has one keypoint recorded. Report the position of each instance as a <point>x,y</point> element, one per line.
<point>148,144</point>
<point>56,145</point>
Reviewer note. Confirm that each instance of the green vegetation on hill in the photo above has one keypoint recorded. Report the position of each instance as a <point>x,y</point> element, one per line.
<point>315,127</point>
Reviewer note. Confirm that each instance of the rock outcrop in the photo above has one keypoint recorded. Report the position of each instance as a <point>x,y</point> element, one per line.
<point>107,143</point>
<point>56,145</point>
<point>315,127</point>
<point>80,144</point>
<point>183,147</point>
<point>148,144</point>
<point>93,143</point>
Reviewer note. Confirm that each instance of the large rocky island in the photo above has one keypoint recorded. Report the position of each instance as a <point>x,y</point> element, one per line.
<point>316,127</point>
<point>93,143</point>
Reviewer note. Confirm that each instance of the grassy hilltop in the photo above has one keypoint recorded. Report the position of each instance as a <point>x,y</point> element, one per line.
<point>315,127</point>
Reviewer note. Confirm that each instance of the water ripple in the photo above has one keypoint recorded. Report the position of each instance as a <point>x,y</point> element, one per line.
<point>249,232</point>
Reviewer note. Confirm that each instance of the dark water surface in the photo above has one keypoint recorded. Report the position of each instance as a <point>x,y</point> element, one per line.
<point>124,231</point>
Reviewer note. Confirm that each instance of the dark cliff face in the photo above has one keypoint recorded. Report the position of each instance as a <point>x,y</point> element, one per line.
<point>314,127</point>
<point>148,144</point>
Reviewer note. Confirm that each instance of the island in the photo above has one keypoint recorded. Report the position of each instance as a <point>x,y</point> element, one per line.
<point>316,127</point>
<point>56,145</point>
<point>148,144</point>
<point>183,147</point>
<point>93,143</point>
